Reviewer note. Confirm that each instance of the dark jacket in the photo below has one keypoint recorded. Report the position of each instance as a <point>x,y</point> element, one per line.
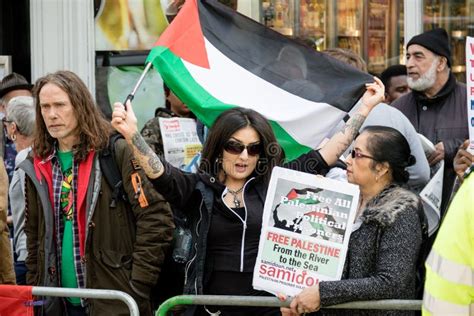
<point>195,195</point>
<point>442,118</point>
<point>124,246</point>
<point>382,254</point>
<point>151,131</point>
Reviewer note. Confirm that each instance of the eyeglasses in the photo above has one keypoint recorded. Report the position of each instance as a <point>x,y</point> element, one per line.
<point>237,148</point>
<point>355,154</point>
<point>5,121</point>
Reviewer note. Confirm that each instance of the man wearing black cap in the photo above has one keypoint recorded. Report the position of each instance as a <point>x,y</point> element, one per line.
<point>12,85</point>
<point>437,104</point>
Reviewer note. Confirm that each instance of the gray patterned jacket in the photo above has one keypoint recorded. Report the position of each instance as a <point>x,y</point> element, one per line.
<point>382,255</point>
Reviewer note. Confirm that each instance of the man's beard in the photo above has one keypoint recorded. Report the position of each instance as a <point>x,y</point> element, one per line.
<point>426,80</point>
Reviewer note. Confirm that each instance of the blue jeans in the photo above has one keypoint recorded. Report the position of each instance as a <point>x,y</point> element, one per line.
<point>75,310</point>
<point>20,271</point>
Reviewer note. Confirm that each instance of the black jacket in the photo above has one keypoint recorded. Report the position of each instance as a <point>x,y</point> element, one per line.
<point>382,255</point>
<point>442,118</point>
<point>195,195</point>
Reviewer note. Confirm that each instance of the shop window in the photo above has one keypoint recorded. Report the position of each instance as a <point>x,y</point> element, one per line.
<point>371,28</point>
<point>457,17</point>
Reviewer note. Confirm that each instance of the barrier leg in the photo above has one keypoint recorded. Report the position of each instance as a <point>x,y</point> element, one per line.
<point>89,293</point>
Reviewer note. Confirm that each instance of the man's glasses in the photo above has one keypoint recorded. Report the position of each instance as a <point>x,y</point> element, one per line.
<point>237,148</point>
<point>355,154</point>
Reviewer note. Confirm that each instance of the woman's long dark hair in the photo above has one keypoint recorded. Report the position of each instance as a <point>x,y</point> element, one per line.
<point>225,126</point>
<point>386,144</point>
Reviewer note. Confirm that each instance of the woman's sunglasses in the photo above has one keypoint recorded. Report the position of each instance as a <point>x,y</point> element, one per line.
<point>237,148</point>
<point>358,155</point>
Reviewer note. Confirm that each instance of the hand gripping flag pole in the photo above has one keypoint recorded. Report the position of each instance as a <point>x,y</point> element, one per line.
<point>130,97</point>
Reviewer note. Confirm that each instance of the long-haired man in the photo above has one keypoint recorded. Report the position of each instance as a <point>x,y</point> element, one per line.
<point>79,235</point>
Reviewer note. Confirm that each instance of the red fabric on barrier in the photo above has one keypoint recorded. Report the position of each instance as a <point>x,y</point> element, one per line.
<point>13,299</point>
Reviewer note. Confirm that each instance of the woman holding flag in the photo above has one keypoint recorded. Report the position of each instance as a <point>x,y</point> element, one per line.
<point>224,200</point>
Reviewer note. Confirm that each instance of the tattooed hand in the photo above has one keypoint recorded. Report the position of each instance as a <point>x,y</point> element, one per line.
<point>340,141</point>
<point>125,122</point>
<point>146,157</point>
<point>374,95</point>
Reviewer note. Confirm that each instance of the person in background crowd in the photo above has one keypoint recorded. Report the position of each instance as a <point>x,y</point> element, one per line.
<point>449,287</point>
<point>391,117</point>
<point>436,106</point>
<point>7,274</point>
<point>463,160</point>
<point>151,131</point>
<point>461,163</point>
<point>171,282</point>
<point>20,127</point>
<point>348,57</point>
<point>385,115</point>
<point>387,235</point>
<point>12,85</point>
<point>224,200</point>
<point>78,234</point>
<point>394,79</point>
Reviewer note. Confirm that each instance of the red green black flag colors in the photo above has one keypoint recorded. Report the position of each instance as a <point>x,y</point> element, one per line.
<point>214,58</point>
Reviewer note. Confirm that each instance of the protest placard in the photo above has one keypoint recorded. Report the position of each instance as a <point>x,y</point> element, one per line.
<point>180,140</point>
<point>307,222</point>
<point>470,89</point>
<point>433,191</point>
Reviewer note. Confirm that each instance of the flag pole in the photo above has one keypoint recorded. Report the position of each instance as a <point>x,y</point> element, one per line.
<point>137,85</point>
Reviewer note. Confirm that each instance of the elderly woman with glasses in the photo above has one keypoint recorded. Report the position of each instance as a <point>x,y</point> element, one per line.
<point>224,200</point>
<point>381,262</point>
<point>20,126</point>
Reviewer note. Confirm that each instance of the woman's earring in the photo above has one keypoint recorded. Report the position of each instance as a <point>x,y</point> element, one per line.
<point>376,178</point>
<point>13,137</point>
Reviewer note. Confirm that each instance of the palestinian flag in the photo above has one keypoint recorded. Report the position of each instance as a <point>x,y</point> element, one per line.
<point>214,58</point>
<point>301,196</point>
<point>287,216</point>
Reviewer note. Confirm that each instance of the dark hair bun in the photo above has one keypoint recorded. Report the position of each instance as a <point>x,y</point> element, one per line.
<point>411,160</point>
<point>387,144</point>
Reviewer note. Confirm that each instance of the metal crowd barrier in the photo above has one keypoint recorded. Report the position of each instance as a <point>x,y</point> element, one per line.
<point>89,293</point>
<point>223,300</point>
